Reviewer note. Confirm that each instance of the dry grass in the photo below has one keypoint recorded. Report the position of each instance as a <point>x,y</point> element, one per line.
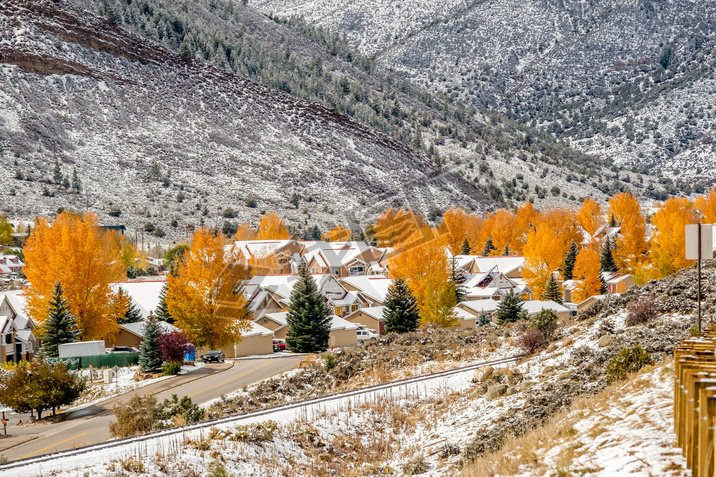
<point>524,452</point>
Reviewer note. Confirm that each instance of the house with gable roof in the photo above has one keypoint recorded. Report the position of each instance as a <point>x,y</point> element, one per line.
<point>17,337</point>
<point>493,284</point>
<point>10,265</point>
<point>341,259</point>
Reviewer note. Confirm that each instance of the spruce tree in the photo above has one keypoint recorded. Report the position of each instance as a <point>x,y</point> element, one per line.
<point>506,250</point>
<point>612,221</point>
<point>489,247</point>
<point>457,277</point>
<point>61,324</point>
<point>465,248</point>
<point>606,258</point>
<point>401,314</point>
<point>149,353</point>
<point>57,173</point>
<point>552,290</point>
<point>569,260</point>
<point>309,317</point>
<point>162,311</point>
<point>509,309</point>
<point>76,184</point>
<point>133,315</point>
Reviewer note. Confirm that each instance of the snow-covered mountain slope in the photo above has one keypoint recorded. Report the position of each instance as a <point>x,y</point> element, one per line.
<point>78,89</point>
<point>606,74</point>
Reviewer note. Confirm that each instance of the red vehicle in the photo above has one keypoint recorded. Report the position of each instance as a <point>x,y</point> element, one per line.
<point>281,344</point>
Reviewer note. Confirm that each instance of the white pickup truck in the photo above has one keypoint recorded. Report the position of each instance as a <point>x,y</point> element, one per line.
<point>364,334</point>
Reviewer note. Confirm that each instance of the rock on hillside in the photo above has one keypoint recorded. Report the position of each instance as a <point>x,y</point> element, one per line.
<point>620,78</point>
<point>96,98</point>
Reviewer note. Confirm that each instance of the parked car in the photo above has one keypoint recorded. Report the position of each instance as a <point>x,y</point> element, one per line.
<point>276,347</point>
<point>282,345</point>
<point>123,349</point>
<point>366,335</point>
<point>214,355</point>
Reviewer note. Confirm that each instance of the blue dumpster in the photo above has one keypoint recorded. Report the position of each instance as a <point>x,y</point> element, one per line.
<point>191,354</point>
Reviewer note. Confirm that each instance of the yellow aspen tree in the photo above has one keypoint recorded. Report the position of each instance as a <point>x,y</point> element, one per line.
<point>395,228</point>
<point>632,247</point>
<point>590,216</point>
<point>337,234</point>
<point>453,229</point>
<point>245,232</point>
<point>543,255</point>
<point>587,271</point>
<point>668,243</point>
<point>77,252</point>
<point>707,206</point>
<point>205,297</point>
<point>272,227</point>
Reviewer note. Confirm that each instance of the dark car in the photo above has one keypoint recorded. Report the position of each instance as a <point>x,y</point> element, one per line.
<point>214,355</point>
<point>276,347</point>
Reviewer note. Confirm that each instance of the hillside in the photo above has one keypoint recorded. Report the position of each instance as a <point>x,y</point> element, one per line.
<point>155,137</point>
<point>628,80</point>
<point>507,159</point>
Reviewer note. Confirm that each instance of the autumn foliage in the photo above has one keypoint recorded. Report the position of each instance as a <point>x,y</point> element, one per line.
<point>337,234</point>
<point>272,227</point>
<point>587,271</point>
<point>77,252</point>
<point>205,297</point>
<point>667,245</point>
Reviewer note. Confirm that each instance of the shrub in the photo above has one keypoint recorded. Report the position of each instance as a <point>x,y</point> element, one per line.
<point>330,362</point>
<point>531,340</point>
<point>483,319</point>
<point>171,368</point>
<point>642,311</point>
<point>416,467</point>
<point>189,412</point>
<point>255,433</point>
<point>628,360</point>
<point>138,416</point>
<point>546,322</point>
<point>173,346</point>
<point>217,469</point>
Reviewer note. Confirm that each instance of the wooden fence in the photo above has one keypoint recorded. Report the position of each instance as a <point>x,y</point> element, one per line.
<point>695,402</point>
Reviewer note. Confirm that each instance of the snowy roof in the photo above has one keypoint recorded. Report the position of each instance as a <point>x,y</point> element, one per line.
<point>334,254</point>
<point>373,311</point>
<point>279,318</point>
<point>504,264</point>
<point>488,306</point>
<point>256,329</point>
<point>144,294</point>
<point>24,335</point>
<point>6,324</point>
<point>137,328</point>
<point>258,248</point>
<point>535,306</point>
<point>339,323</point>
<point>374,287</point>
<point>464,315</point>
<point>348,299</point>
<point>282,285</point>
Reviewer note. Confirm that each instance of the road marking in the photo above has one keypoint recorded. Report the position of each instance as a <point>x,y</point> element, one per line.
<point>54,445</point>
<point>232,379</point>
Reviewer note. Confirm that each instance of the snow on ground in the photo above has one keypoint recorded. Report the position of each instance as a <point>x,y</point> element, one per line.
<point>97,390</point>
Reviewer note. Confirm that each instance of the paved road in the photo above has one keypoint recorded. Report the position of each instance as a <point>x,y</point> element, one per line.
<point>91,425</point>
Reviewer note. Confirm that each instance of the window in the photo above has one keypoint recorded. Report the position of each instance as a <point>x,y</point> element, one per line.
<point>337,310</point>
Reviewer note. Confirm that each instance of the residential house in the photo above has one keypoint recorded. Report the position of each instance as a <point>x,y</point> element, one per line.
<point>510,266</point>
<point>17,330</point>
<point>532,307</point>
<point>476,307</point>
<point>493,284</point>
<point>145,294</point>
<point>249,251</point>
<point>10,265</point>
<point>132,334</point>
<point>373,289</point>
<point>371,317</point>
<point>340,259</point>
<point>617,282</point>
<point>256,340</point>
<point>343,332</point>
<point>465,319</point>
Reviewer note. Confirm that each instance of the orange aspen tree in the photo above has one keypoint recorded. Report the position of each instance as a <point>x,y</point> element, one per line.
<point>205,297</point>
<point>119,305</point>
<point>526,217</point>
<point>272,227</point>
<point>590,216</point>
<point>395,228</point>
<point>668,242</point>
<point>587,271</point>
<point>707,206</point>
<point>543,255</point>
<point>632,247</point>
<point>425,269</point>
<point>245,232</point>
<point>453,229</point>
<point>564,224</point>
<point>504,232</point>
<point>77,252</point>
<point>337,234</point>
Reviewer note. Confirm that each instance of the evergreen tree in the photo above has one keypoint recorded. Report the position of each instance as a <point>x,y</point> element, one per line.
<point>612,221</point>
<point>401,314</point>
<point>309,317</point>
<point>483,318</point>
<point>133,315</point>
<point>76,184</point>
<point>552,290</point>
<point>509,309</point>
<point>457,277</point>
<point>149,352</point>
<point>489,247</point>
<point>569,260</point>
<point>465,248</point>
<point>606,258</point>
<point>506,251</point>
<point>57,173</point>
<point>61,324</point>
<point>162,311</point>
